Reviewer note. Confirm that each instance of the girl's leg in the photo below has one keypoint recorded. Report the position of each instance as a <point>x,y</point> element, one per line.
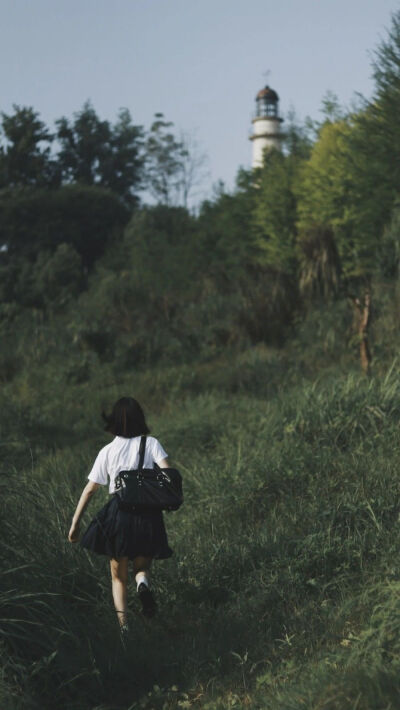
<point>141,566</point>
<point>119,583</point>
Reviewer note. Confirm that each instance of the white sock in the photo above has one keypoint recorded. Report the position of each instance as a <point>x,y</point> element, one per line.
<point>141,577</point>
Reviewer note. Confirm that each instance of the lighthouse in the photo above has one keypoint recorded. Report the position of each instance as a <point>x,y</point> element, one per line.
<point>266,125</point>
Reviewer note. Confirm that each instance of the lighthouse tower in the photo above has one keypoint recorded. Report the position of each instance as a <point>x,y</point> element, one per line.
<point>266,125</point>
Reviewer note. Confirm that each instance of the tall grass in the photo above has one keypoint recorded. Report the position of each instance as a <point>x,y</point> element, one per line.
<point>283,590</point>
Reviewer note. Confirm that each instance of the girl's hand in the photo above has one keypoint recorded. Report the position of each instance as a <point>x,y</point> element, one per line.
<point>88,491</point>
<point>73,535</point>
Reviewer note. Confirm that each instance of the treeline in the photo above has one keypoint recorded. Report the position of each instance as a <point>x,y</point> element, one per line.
<point>116,280</point>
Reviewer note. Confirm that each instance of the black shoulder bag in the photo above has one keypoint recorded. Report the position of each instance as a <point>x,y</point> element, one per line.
<point>149,488</point>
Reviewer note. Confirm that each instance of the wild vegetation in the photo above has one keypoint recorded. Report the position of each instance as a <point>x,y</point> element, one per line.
<point>261,335</point>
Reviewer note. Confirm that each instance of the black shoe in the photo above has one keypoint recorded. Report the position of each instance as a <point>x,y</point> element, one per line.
<point>149,605</point>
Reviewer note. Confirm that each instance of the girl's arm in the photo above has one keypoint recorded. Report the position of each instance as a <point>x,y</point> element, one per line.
<point>88,491</point>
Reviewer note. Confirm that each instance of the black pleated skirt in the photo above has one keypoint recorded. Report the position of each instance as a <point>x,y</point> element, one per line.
<point>120,533</point>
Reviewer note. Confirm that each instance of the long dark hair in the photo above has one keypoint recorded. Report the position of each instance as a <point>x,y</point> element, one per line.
<point>126,419</point>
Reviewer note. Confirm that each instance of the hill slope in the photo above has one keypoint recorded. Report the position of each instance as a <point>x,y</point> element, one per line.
<point>284,588</point>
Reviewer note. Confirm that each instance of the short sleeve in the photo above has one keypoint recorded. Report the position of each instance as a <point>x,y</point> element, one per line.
<point>158,452</point>
<point>98,474</point>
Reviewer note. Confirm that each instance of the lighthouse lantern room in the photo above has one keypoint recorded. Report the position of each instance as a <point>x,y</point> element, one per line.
<point>266,125</point>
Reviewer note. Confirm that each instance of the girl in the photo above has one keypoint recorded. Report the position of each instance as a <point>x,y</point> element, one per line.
<point>124,535</point>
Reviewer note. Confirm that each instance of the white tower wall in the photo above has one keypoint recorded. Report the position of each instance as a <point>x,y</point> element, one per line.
<point>266,135</point>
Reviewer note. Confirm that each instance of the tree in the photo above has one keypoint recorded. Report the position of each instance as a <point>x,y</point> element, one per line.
<point>352,182</point>
<point>331,108</point>
<point>193,167</point>
<point>275,213</point>
<point>32,221</point>
<point>93,152</point>
<point>49,282</point>
<point>274,234</point>
<point>122,166</point>
<point>153,278</point>
<point>164,156</point>
<point>257,304</point>
<point>25,158</point>
<point>324,179</point>
<point>225,225</point>
<point>298,137</point>
<point>337,197</point>
<point>389,257</point>
<point>319,263</point>
<point>174,166</point>
<point>380,119</point>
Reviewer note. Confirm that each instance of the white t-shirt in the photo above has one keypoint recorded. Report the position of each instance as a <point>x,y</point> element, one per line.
<point>122,454</point>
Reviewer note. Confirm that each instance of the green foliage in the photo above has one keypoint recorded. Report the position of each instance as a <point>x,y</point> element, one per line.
<point>159,274</point>
<point>367,152</point>
<point>148,277</point>
<point>331,108</point>
<point>60,275</point>
<point>379,119</point>
<point>24,160</point>
<point>283,591</point>
<point>298,138</point>
<point>226,230</point>
<point>334,201</point>
<point>261,295</point>
<point>324,179</point>
<point>165,156</point>
<point>283,583</point>
<point>33,220</point>
<point>275,212</point>
<point>319,264</point>
<point>50,282</point>
<point>352,179</point>
<point>93,152</point>
<point>389,255</point>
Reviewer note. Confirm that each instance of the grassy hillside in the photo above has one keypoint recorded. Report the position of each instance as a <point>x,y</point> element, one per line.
<point>284,589</point>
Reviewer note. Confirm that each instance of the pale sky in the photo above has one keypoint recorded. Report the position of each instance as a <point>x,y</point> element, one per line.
<point>200,62</point>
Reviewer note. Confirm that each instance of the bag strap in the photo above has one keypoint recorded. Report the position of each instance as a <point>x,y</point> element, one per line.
<point>142,449</point>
